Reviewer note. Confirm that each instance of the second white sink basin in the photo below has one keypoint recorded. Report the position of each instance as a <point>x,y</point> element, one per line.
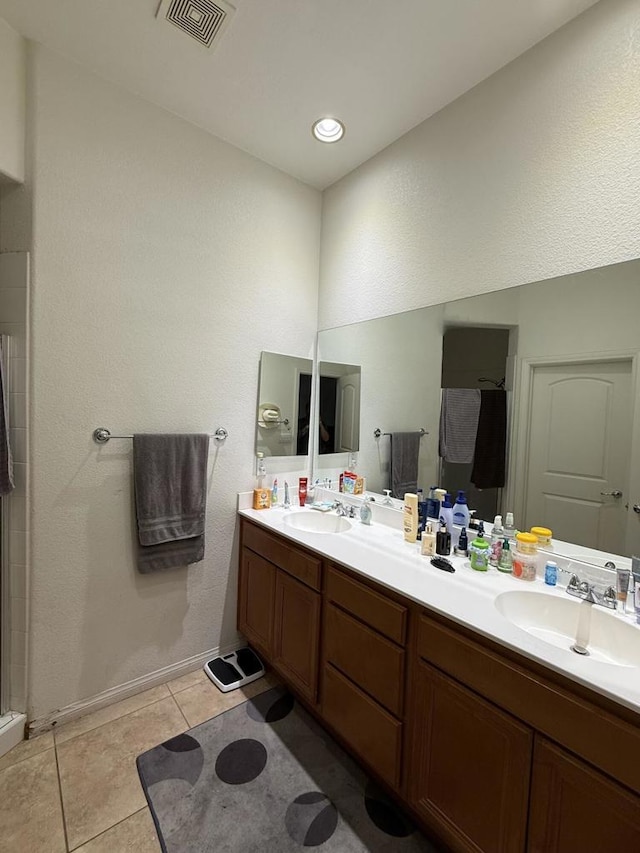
<point>317,522</point>
<point>608,637</point>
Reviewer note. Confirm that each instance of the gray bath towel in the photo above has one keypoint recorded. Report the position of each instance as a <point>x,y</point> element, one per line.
<point>459,414</point>
<point>6,460</point>
<point>405,449</point>
<point>170,477</point>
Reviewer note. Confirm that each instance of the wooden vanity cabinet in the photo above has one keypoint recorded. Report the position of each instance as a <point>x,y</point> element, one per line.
<point>256,601</point>
<point>279,606</point>
<point>491,752</point>
<point>470,765</point>
<point>576,809</point>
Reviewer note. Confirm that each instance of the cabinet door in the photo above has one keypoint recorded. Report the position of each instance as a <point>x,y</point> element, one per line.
<point>576,809</point>
<point>256,600</point>
<point>297,633</point>
<point>470,766</point>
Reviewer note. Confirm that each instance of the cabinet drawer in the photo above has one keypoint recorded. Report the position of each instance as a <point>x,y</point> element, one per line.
<point>296,562</point>
<point>378,611</point>
<point>371,732</point>
<point>374,663</point>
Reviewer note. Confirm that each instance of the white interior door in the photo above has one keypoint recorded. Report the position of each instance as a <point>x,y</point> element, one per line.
<point>348,412</point>
<point>579,452</point>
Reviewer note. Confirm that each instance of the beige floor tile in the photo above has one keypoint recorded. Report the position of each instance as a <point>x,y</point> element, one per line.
<point>26,749</point>
<point>100,784</point>
<point>30,812</point>
<point>89,722</point>
<point>190,679</point>
<point>204,700</point>
<point>136,834</point>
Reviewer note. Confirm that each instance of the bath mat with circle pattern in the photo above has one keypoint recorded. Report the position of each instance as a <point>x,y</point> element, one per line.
<point>264,776</point>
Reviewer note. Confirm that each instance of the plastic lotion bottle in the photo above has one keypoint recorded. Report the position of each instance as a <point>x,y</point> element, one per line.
<point>410,517</point>
<point>446,512</point>
<point>497,535</point>
<point>461,511</point>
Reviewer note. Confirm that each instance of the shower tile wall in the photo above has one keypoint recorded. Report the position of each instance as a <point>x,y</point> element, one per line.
<point>14,276</point>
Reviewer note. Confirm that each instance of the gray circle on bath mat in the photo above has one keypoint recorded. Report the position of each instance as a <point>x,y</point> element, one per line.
<point>271,706</point>
<point>241,761</point>
<point>311,819</point>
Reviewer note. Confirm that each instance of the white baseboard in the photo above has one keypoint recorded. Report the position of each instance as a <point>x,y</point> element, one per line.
<point>11,731</point>
<point>129,688</point>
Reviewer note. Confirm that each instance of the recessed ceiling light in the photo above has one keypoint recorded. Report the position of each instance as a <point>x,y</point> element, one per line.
<point>328,129</point>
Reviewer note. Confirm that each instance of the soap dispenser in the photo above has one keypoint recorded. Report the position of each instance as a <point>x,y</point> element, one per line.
<point>365,511</point>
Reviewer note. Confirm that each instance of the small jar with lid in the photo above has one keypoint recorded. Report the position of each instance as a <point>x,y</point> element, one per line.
<point>543,535</point>
<point>525,557</point>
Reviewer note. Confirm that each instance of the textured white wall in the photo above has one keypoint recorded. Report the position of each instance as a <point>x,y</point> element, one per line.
<point>12,102</point>
<point>164,261</point>
<point>533,174</point>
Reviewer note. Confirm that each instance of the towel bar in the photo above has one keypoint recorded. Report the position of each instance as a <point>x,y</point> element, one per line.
<point>102,435</point>
<point>378,432</point>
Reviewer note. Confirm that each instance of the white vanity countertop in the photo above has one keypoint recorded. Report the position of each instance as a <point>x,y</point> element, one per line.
<point>380,553</point>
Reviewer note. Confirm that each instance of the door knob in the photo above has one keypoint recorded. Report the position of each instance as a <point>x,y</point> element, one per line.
<point>636,508</point>
<point>616,493</point>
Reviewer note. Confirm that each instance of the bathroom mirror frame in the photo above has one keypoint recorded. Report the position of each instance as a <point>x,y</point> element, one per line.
<point>577,318</point>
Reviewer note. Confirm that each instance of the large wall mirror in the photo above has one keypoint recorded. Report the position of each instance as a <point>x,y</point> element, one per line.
<point>567,352</point>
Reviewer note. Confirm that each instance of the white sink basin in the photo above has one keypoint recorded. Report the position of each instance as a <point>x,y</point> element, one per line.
<point>559,621</point>
<point>317,522</point>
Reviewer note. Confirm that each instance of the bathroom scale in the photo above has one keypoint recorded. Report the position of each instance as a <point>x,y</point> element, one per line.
<point>234,670</point>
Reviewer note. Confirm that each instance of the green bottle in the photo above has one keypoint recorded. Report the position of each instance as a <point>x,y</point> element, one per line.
<point>479,554</point>
<point>505,563</point>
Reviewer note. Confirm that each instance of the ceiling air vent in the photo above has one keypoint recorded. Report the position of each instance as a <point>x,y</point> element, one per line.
<point>203,20</point>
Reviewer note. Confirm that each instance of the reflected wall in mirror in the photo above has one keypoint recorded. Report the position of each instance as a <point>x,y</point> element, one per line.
<point>284,387</point>
<point>569,351</point>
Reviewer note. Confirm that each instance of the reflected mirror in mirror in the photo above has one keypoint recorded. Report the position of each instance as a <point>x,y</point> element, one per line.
<point>279,393</point>
<point>567,350</point>
<point>338,406</point>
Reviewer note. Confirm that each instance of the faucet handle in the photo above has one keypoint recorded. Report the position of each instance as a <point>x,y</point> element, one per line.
<point>610,598</point>
<point>574,582</point>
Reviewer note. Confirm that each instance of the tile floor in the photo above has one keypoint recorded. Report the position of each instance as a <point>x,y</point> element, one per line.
<point>77,788</point>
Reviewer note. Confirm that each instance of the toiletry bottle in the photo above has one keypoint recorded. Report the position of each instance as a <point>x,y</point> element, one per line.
<point>410,517</point>
<point>505,564</point>
<point>497,536</point>
<point>365,511</point>
<point>443,540</point>
<point>446,512</point>
<point>635,571</point>
<point>462,548</point>
<point>287,501</point>
<point>261,471</point>
<point>622,588</point>
<point>433,504</point>
<point>479,553</point>
<point>551,573</point>
<point>274,493</point>
<point>525,557</point>
<point>302,490</point>
<point>510,528</point>
<point>428,547</point>
<point>461,511</point>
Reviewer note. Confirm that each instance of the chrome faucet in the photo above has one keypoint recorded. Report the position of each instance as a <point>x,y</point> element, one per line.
<point>345,510</point>
<point>587,593</point>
